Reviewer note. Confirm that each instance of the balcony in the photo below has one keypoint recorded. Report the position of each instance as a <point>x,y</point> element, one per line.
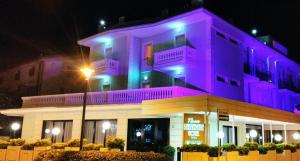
<point>106,67</point>
<point>179,56</point>
<point>110,97</point>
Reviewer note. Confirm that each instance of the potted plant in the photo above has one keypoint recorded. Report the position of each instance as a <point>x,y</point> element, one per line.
<point>115,144</point>
<point>230,152</point>
<point>253,150</point>
<point>41,145</point>
<point>271,147</point>
<point>279,152</point>
<point>3,147</point>
<point>74,144</point>
<point>213,154</point>
<point>170,151</point>
<point>195,152</point>
<point>14,149</point>
<point>26,153</point>
<point>263,153</point>
<point>58,146</point>
<point>91,146</point>
<point>243,153</point>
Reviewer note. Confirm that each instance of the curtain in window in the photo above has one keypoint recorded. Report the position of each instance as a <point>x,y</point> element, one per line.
<point>68,131</point>
<point>94,131</point>
<point>65,130</point>
<point>89,131</point>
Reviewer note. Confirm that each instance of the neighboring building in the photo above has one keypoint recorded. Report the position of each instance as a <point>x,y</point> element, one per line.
<point>44,76</point>
<point>164,82</point>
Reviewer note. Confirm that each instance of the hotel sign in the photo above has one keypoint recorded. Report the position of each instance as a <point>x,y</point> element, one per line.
<point>193,129</point>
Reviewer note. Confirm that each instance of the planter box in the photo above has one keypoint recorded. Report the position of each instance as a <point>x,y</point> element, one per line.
<point>72,148</point>
<point>280,157</point>
<point>115,150</point>
<point>26,155</point>
<point>295,156</point>
<point>39,149</point>
<point>222,158</point>
<point>264,157</point>
<point>13,153</point>
<point>244,158</point>
<point>272,155</point>
<point>232,156</point>
<point>195,156</point>
<point>103,150</point>
<point>287,155</point>
<point>2,154</point>
<point>253,155</point>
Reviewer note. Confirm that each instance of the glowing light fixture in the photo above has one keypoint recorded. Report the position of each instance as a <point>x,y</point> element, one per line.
<point>253,133</point>
<point>15,126</point>
<point>145,78</point>
<point>296,136</point>
<point>138,134</point>
<point>220,134</point>
<point>278,137</point>
<point>102,22</point>
<point>47,131</point>
<point>87,72</point>
<point>177,26</point>
<point>254,32</point>
<point>106,125</point>
<point>55,131</point>
<point>247,136</point>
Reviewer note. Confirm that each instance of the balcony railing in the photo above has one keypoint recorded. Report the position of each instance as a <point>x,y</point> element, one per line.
<point>176,56</point>
<point>106,66</point>
<point>110,97</point>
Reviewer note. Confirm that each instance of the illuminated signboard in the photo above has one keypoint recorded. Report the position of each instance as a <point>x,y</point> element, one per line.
<point>193,129</point>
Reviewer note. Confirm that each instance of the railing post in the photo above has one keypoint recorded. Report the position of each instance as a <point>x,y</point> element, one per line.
<point>179,154</point>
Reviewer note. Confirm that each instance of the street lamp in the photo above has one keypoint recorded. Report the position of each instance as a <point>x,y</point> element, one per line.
<point>106,125</point>
<point>15,127</point>
<point>87,73</point>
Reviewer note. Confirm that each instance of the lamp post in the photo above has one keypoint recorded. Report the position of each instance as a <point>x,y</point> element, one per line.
<point>15,127</point>
<point>87,73</point>
<point>106,125</point>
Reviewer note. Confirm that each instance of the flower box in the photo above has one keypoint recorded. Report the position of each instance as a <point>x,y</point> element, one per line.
<point>26,155</point>
<point>104,150</point>
<point>253,155</point>
<point>244,158</point>
<point>232,156</point>
<point>2,154</point>
<point>221,158</point>
<point>72,148</point>
<point>272,155</point>
<point>295,156</point>
<point>280,157</point>
<point>287,155</point>
<point>195,156</point>
<point>264,157</point>
<point>13,153</point>
<point>38,149</point>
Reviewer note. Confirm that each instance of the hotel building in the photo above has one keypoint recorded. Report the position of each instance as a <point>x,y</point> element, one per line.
<point>169,82</point>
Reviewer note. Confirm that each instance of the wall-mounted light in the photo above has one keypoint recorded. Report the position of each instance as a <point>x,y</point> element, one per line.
<point>253,133</point>
<point>177,26</point>
<point>55,131</point>
<point>254,32</point>
<point>278,137</point>
<point>145,78</point>
<point>296,136</point>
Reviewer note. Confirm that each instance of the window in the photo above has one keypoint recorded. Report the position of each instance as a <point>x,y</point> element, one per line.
<point>64,130</point>
<point>148,134</point>
<point>180,40</point>
<point>18,75</point>
<point>234,83</point>
<point>108,51</point>
<point>221,79</point>
<point>220,35</point>
<point>234,41</point>
<point>148,53</point>
<point>228,135</point>
<point>31,71</point>
<point>93,130</point>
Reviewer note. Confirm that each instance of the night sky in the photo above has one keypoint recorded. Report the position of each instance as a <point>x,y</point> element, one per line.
<point>30,28</point>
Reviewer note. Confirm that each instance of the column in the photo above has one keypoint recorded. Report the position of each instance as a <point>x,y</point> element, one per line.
<point>263,132</point>
<point>233,130</point>
<point>122,128</point>
<point>285,134</point>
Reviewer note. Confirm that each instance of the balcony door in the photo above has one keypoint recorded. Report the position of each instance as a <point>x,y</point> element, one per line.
<point>148,54</point>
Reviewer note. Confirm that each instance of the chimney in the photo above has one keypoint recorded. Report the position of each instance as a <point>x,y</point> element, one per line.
<point>122,19</point>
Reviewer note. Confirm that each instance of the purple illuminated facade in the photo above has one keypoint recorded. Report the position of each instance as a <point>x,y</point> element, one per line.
<point>196,50</point>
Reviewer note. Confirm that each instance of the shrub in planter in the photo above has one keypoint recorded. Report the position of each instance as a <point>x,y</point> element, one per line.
<point>43,142</point>
<point>115,143</point>
<point>279,148</point>
<point>169,150</point>
<point>297,145</point>
<point>27,146</point>
<point>16,142</point>
<point>229,147</point>
<point>270,146</point>
<point>243,150</point>
<point>3,144</point>
<point>213,151</point>
<point>96,155</point>
<point>251,145</point>
<point>58,145</point>
<point>262,149</point>
<point>75,142</point>
<point>290,147</point>
<point>91,146</point>
<point>195,148</point>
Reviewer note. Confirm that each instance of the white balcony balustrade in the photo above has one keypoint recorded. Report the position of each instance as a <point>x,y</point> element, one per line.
<point>106,67</point>
<point>110,97</point>
<point>173,57</point>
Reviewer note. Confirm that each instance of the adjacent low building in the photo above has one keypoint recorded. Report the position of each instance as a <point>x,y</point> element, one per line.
<point>188,79</point>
